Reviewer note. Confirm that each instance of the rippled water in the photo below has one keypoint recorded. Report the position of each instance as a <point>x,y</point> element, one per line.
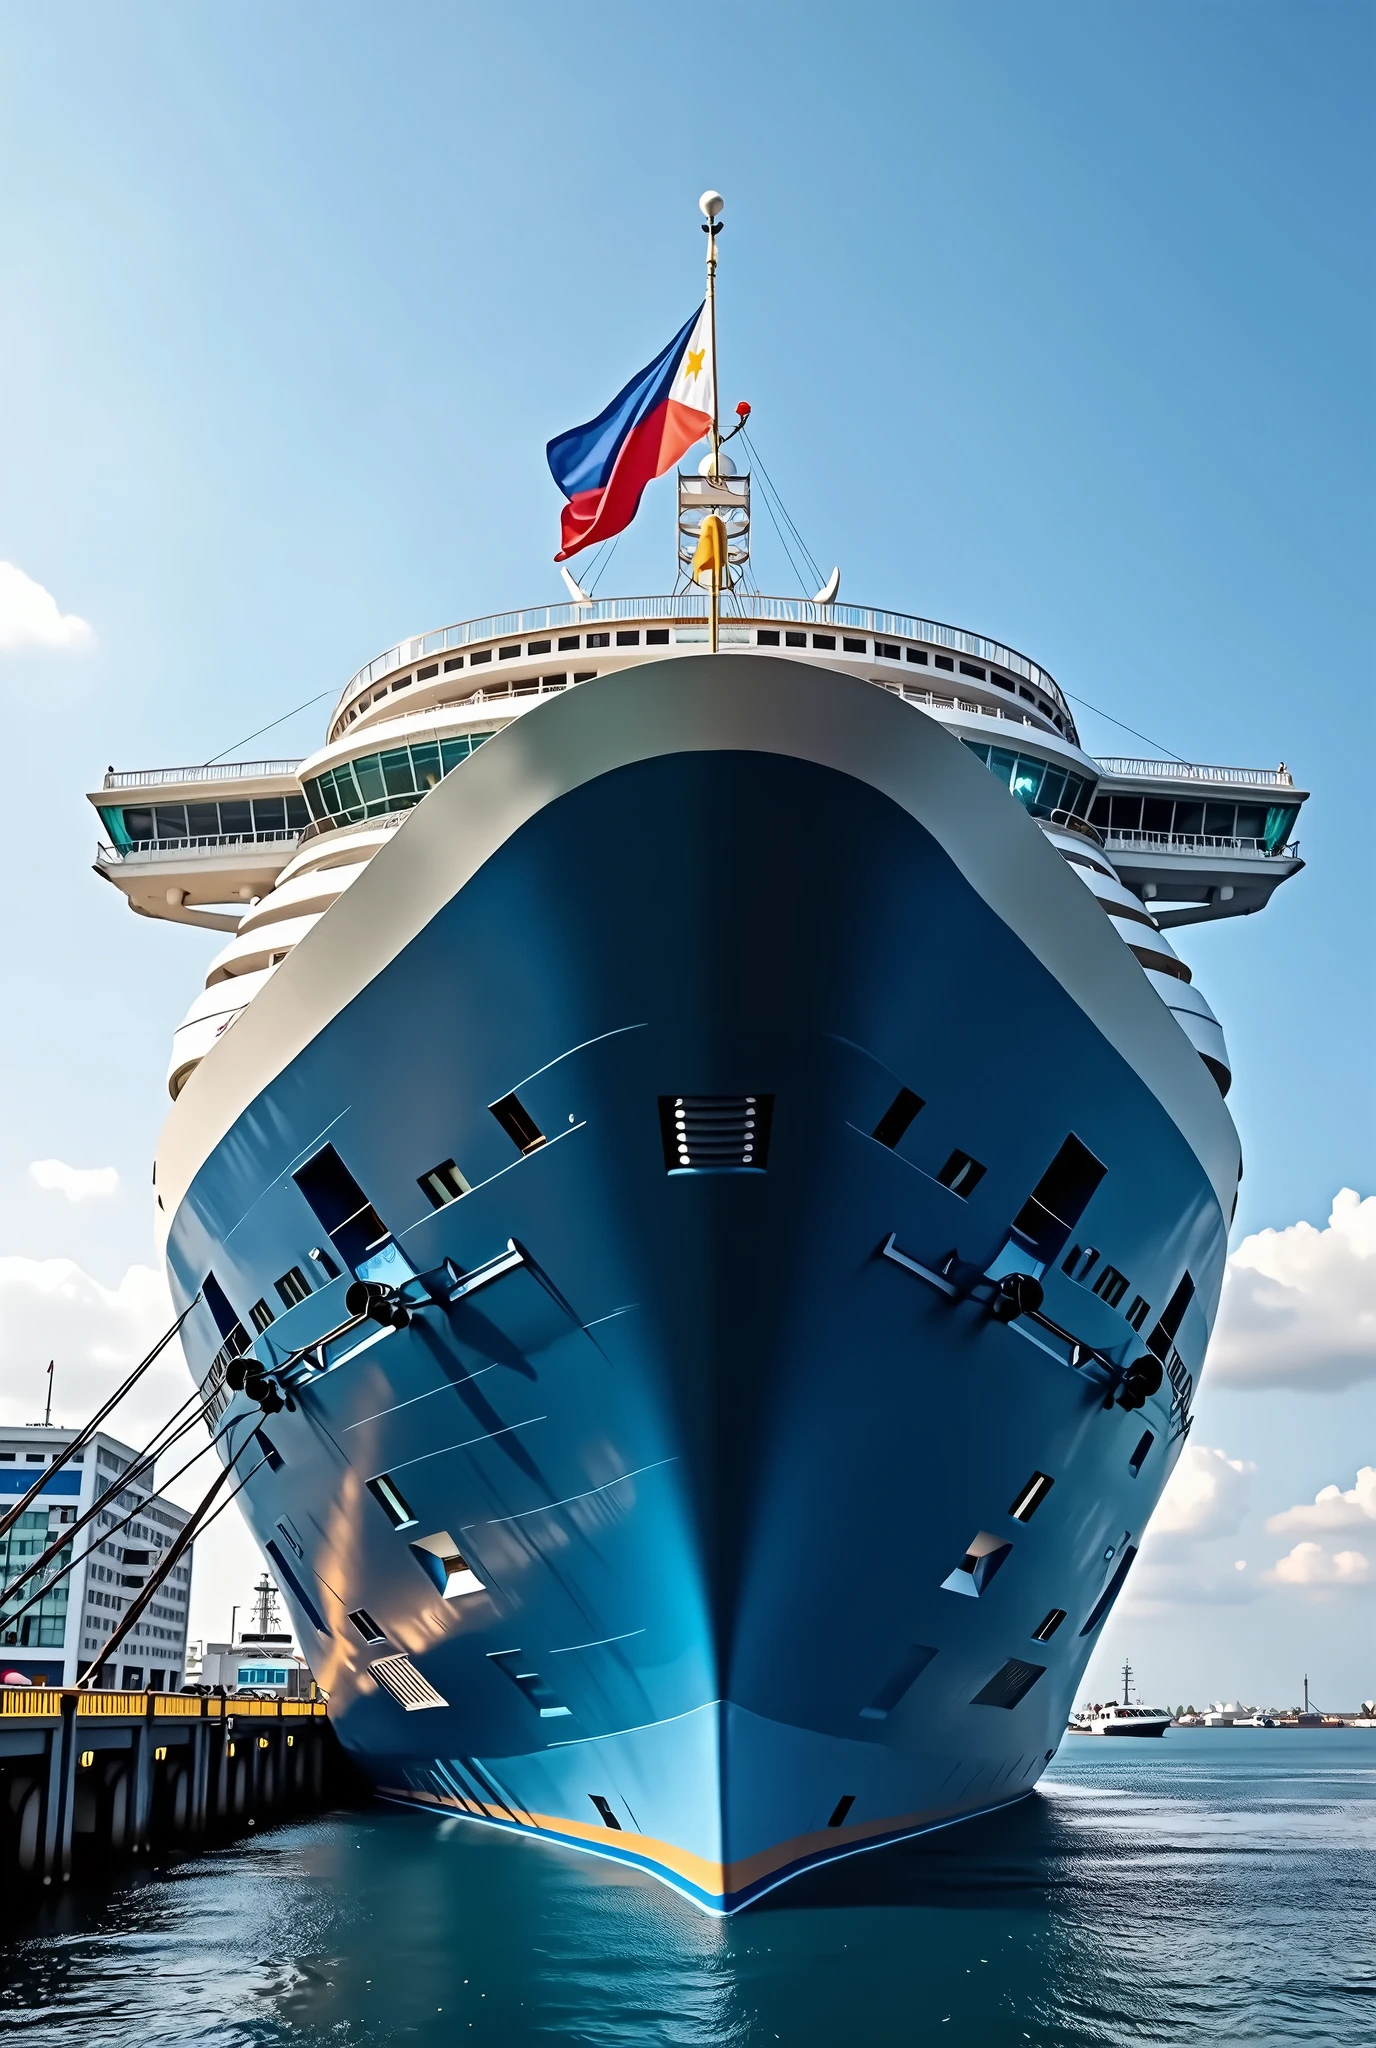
<point>1217,1886</point>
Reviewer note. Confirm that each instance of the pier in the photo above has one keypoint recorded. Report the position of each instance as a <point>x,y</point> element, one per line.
<point>90,1777</point>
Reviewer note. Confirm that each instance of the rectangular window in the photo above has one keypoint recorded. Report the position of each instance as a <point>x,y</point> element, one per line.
<point>1004,682</point>
<point>1139,1312</point>
<point>367,1627</point>
<point>391,1500</point>
<point>609,1819</point>
<point>1079,1261</point>
<point>1058,1201</point>
<point>766,639</point>
<point>1172,1315</point>
<point>945,661</point>
<point>397,778</point>
<point>887,651</point>
<point>985,1556</point>
<point>518,1124</point>
<point>1044,1630</point>
<point>1031,1497</point>
<point>961,1174</point>
<point>793,640</point>
<point>658,636</point>
<point>445,1566</point>
<point>970,668</point>
<point>482,654</point>
<point>217,1301</point>
<point>260,1315</point>
<point>585,675</point>
<point>443,1184</point>
<point>915,654</point>
<point>1009,1685</point>
<point>269,814</point>
<point>348,1217</point>
<point>423,675</point>
<point>1139,1456</point>
<point>509,653</point>
<point>1111,1286</point>
<point>456,662</point>
<point>853,646</point>
<point>599,639</point>
<point>569,644</point>
<point>826,640</point>
<point>537,647</point>
<point>628,639</point>
<point>292,1287</point>
<point>897,1117</point>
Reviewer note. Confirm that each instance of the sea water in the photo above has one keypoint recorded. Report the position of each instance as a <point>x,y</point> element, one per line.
<point>1217,1886</point>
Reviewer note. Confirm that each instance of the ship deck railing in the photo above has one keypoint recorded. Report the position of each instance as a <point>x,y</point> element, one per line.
<point>1197,842</point>
<point>113,856</point>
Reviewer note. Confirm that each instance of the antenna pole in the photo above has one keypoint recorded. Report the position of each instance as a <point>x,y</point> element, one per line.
<point>711,204</point>
<point>48,1411</point>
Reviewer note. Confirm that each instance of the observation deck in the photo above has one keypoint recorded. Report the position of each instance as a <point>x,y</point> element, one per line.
<point>203,844</point>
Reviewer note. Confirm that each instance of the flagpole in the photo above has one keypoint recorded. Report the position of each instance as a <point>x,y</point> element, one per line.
<point>711,204</point>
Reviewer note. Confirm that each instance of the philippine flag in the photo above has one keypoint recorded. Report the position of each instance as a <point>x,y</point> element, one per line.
<point>603,467</point>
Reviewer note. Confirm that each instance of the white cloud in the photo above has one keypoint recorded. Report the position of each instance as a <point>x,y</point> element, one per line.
<point>1207,1495</point>
<point>50,1308</point>
<point>1207,1498</point>
<point>1308,1564</point>
<point>29,616</point>
<point>1299,1304</point>
<point>77,1183</point>
<point>1332,1510</point>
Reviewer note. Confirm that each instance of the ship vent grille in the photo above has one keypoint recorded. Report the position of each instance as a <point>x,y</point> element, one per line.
<point>716,1133</point>
<point>405,1683</point>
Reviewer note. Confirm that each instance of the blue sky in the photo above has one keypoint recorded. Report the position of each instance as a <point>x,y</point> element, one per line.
<point>1057,324</point>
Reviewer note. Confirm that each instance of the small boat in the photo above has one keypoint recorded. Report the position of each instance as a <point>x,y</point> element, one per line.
<point>1113,1719</point>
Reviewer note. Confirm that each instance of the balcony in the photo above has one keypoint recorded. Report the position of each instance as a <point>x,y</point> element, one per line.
<point>205,771</point>
<point>181,849</point>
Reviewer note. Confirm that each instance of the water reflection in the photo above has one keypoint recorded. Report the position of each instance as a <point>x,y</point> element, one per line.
<point>1218,1886</point>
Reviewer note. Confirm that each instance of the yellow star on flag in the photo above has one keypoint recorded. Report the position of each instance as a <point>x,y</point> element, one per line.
<point>695,356</point>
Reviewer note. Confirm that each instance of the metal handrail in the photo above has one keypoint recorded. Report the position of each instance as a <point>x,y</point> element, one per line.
<point>208,843</point>
<point>1201,842</point>
<point>205,771</point>
<point>1198,771</point>
<point>692,606</point>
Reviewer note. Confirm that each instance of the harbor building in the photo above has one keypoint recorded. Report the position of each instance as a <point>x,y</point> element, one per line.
<point>58,1639</point>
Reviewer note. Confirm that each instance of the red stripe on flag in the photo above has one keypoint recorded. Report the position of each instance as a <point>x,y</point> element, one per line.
<point>653,445</point>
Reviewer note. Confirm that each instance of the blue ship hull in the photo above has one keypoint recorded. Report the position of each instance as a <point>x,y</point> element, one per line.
<point>713,1456</point>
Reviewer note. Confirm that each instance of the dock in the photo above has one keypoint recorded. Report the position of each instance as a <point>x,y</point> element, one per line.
<point>94,1776</point>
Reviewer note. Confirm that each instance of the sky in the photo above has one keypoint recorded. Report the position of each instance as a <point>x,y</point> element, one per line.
<point>1057,324</point>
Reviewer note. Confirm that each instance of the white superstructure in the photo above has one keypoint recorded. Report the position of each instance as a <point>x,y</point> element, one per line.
<point>260,850</point>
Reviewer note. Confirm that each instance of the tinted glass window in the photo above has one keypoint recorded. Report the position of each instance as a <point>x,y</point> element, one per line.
<point>1189,817</point>
<point>1251,821</point>
<point>236,817</point>
<point>368,775</point>
<point>426,762</point>
<point>269,814</point>
<point>1220,818</point>
<point>1126,813</point>
<point>297,815</point>
<point>170,821</point>
<point>139,824</point>
<point>1156,814</point>
<point>203,820</point>
<point>396,772</point>
<point>452,752</point>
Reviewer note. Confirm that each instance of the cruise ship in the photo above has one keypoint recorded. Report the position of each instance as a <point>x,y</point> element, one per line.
<point>700,1184</point>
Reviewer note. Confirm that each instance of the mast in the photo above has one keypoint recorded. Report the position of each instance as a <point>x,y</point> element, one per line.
<point>711,204</point>
<point>1127,1683</point>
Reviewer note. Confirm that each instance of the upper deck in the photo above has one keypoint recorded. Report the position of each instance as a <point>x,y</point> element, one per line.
<point>1194,841</point>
